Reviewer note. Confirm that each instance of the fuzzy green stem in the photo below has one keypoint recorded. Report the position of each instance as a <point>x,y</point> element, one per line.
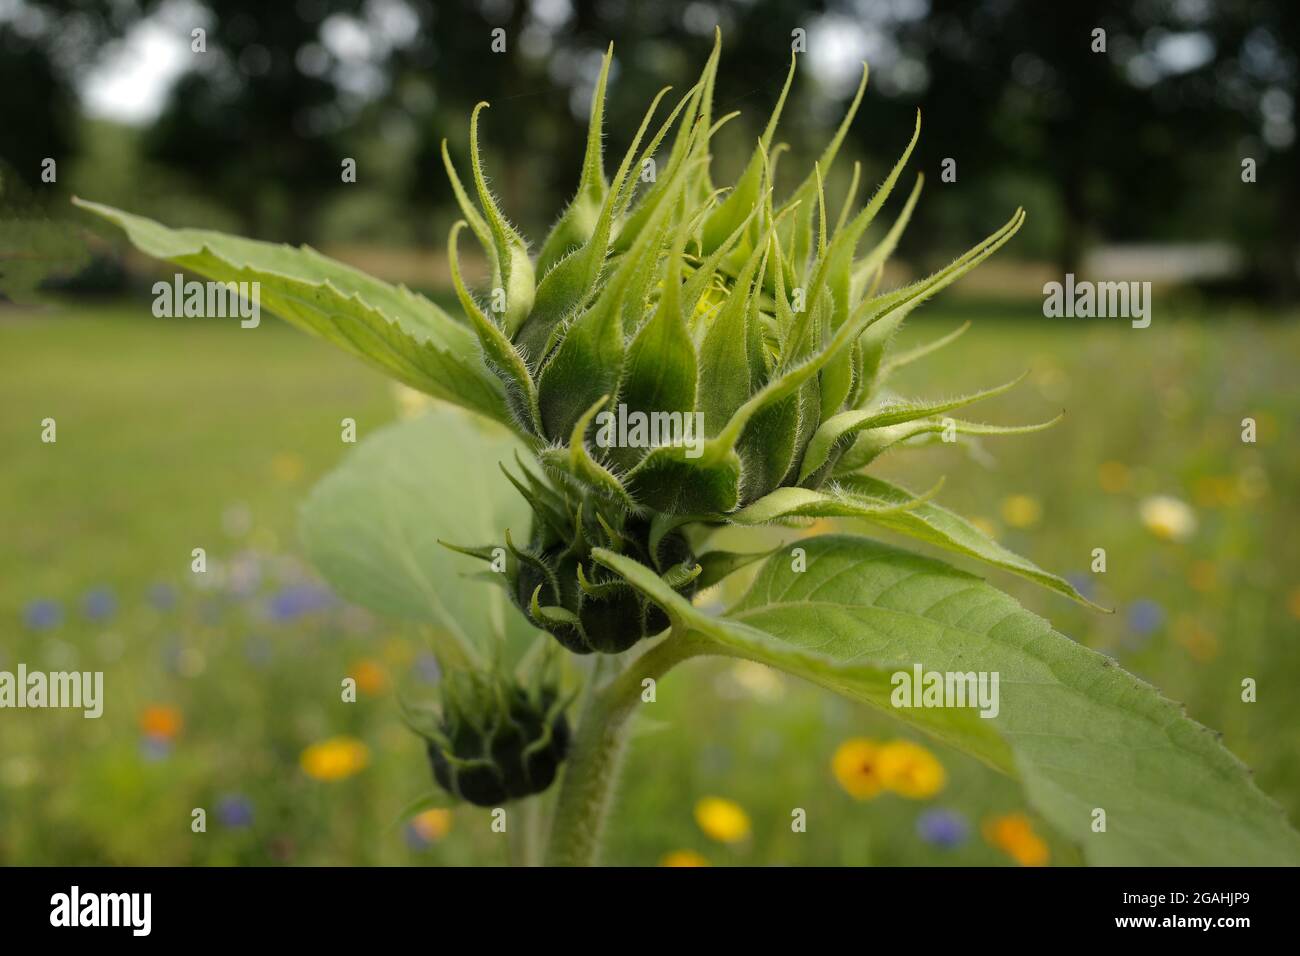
<point>594,759</point>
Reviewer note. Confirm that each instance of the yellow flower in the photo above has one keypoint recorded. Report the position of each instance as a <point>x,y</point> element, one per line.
<point>1014,835</point>
<point>910,770</point>
<point>1195,638</point>
<point>1113,476</point>
<point>432,824</point>
<point>856,767</point>
<point>1167,518</point>
<point>1021,511</point>
<point>161,721</point>
<point>722,820</point>
<point>820,526</point>
<point>370,676</point>
<point>335,759</point>
<point>287,467</point>
<point>683,858</point>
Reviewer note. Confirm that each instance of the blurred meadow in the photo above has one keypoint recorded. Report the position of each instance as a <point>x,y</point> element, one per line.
<point>173,434</point>
<point>180,433</point>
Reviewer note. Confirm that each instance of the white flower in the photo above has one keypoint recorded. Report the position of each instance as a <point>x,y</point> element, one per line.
<point>1167,517</point>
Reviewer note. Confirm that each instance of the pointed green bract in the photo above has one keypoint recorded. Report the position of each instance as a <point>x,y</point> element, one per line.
<point>514,270</point>
<point>845,424</point>
<point>578,221</point>
<point>935,525</point>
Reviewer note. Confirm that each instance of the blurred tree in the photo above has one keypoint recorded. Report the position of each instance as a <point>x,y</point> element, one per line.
<point>258,119</point>
<point>42,45</point>
<point>38,105</point>
<point>1253,91</point>
<point>1009,88</point>
<point>1141,141</point>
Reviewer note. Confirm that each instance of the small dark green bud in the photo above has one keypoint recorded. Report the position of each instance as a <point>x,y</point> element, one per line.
<point>496,741</point>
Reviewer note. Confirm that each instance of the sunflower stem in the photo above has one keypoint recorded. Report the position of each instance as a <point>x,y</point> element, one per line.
<point>596,755</point>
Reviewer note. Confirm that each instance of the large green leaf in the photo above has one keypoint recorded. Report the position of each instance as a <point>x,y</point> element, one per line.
<point>404,334</point>
<point>372,526</point>
<point>1076,730</point>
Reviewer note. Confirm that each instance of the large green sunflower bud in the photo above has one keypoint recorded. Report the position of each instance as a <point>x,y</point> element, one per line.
<point>691,357</point>
<point>737,344</point>
<point>496,741</point>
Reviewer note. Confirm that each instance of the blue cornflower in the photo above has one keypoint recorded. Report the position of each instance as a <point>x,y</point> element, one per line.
<point>1144,616</point>
<point>235,811</point>
<point>42,614</point>
<point>162,596</point>
<point>99,604</point>
<point>942,828</point>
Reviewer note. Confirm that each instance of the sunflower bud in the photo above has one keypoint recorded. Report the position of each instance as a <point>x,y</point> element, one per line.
<point>758,322</point>
<point>563,591</point>
<point>495,740</point>
<point>745,344</point>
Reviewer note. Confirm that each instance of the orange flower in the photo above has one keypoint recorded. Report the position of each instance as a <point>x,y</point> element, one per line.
<point>432,824</point>
<point>370,676</point>
<point>161,722</point>
<point>1196,639</point>
<point>1014,835</point>
<point>335,759</point>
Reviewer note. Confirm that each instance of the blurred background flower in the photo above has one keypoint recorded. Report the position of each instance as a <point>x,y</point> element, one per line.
<point>235,811</point>
<point>1167,517</point>
<point>42,614</point>
<point>942,828</point>
<point>427,828</point>
<point>722,820</point>
<point>684,858</point>
<point>910,770</point>
<point>1021,511</point>
<point>335,759</point>
<point>99,604</point>
<point>1014,835</point>
<point>856,766</point>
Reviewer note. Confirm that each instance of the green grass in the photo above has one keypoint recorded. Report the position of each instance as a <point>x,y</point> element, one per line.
<point>170,429</point>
